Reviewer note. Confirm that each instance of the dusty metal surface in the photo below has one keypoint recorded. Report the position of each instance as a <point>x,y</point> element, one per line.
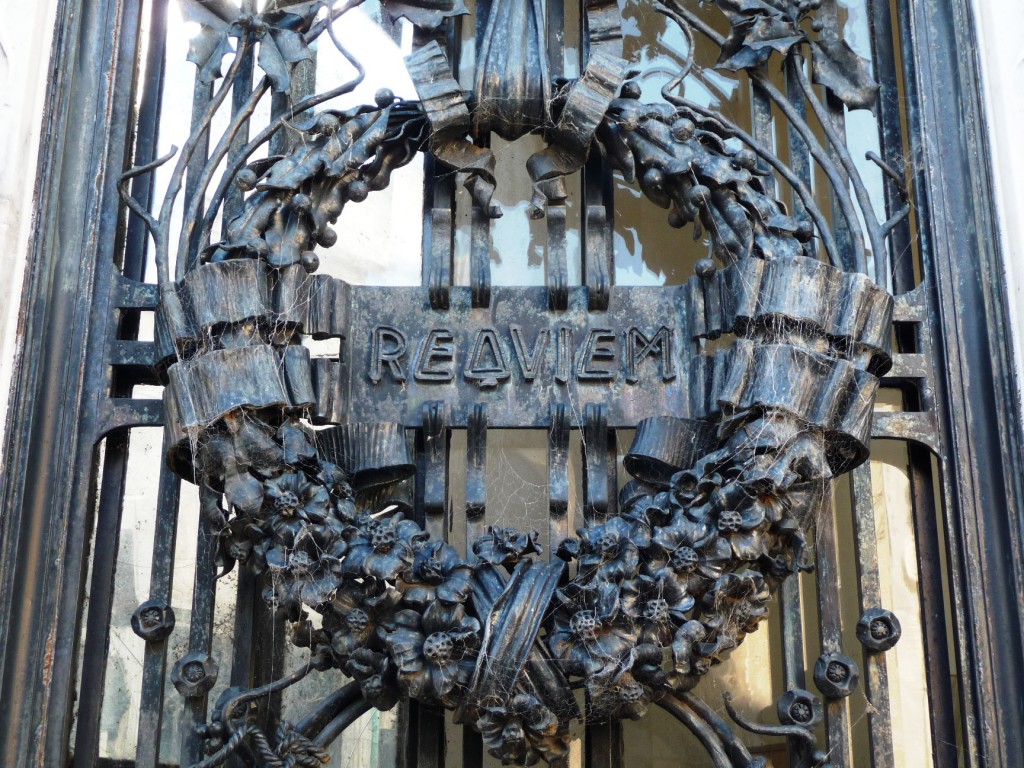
<point>727,449</point>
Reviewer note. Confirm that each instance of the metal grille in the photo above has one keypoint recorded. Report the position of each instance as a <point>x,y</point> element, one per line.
<point>118,367</point>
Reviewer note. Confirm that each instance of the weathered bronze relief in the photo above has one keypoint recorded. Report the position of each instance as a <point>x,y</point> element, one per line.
<point>733,451</point>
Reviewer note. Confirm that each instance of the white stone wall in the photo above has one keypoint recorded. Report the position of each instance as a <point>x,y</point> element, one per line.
<point>26,31</point>
<point>1000,24</point>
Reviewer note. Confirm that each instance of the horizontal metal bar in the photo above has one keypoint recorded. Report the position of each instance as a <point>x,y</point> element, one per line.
<point>919,427</point>
<point>130,412</point>
<point>140,353</point>
<point>910,366</point>
<point>130,294</point>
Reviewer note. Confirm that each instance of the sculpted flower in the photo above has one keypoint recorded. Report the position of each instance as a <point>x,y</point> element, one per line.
<point>506,546</point>
<point>608,551</point>
<point>692,552</point>
<point>620,698</point>
<point>522,732</point>
<point>437,572</point>
<point>293,495</point>
<point>356,614</point>
<point>657,605</point>
<point>586,638</point>
<point>433,652</point>
<point>732,609</point>
<point>688,666</point>
<point>744,529</point>
<point>375,674</point>
<point>382,548</point>
<point>336,481</point>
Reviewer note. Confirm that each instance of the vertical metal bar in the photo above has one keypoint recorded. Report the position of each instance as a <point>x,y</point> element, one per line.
<point>201,630</point>
<point>604,746</point>
<point>202,95</point>
<point>829,16</point>
<point>890,127</point>
<point>154,662</point>
<point>480,257</point>
<point>108,523</point>
<point>919,338</point>
<point>439,195</point>
<point>240,92</point>
<point>425,739</point>
<point>147,132</point>
<point>556,267</point>
<point>558,477</point>
<point>48,503</point>
<point>876,677</point>
<point>837,713</point>
<point>101,596</point>
<point>596,239</point>
<point>596,490</point>
<point>476,474</point>
<point>432,484</point>
<point>939,673</point>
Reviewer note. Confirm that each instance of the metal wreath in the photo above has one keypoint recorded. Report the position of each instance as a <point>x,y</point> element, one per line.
<point>667,581</point>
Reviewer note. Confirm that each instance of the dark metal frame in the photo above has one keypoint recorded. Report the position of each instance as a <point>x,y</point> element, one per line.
<point>67,397</point>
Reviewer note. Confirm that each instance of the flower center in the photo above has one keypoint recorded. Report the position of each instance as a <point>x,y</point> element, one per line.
<point>151,617</point>
<point>194,671</point>
<point>606,542</point>
<point>879,630</point>
<point>382,540</point>
<point>656,610</point>
<point>513,732</point>
<point>357,620</point>
<point>286,503</point>
<point>631,692</point>
<point>374,686</point>
<point>684,559</point>
<point>438,647</point>
<point>836,672</point>
<point>800,712</point>
<point>584,624</point>
<point>729,521</point>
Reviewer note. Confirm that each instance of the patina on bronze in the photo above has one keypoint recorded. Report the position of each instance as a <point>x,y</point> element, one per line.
<point>733,450</point>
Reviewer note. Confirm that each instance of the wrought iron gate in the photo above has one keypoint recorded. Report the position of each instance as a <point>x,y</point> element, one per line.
<point>416,363</point>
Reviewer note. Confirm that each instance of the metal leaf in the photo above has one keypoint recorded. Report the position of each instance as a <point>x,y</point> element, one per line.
<point>212,13</point>
<point>212,43</point>
<point>207,50</point>
<point>426,15</point>
<point>846,74</point>
<point>752,40</point>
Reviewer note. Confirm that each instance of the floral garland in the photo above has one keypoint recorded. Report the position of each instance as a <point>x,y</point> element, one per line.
<point>682,572</point>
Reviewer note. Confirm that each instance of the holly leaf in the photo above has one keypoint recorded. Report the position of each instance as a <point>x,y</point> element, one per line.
<point>212,43</point>
<point>837,67</point>
<point>736,54</point>
<point>773,32</point>
<point>285,45</point>
<point>752,39</point>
